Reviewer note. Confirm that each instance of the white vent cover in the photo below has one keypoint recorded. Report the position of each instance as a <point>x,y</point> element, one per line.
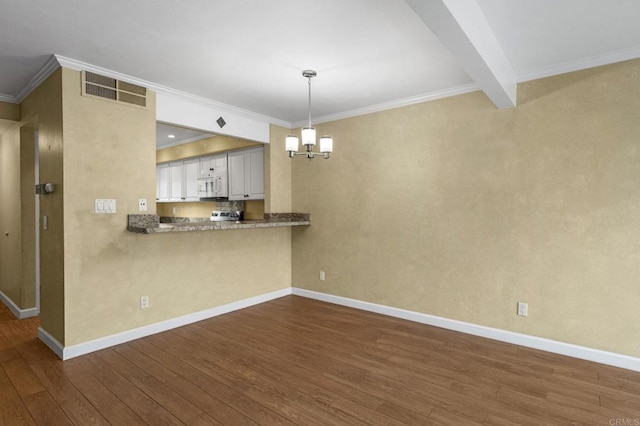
<point>115,90</point>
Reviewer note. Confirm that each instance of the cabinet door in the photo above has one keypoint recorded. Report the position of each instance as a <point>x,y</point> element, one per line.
<point>246,174</point>
<point>163,183</point>
<point>219,163</point>
<point>236,175</point>
<point>175,170</point>
<point>254,184</point>
<point>190,180</point>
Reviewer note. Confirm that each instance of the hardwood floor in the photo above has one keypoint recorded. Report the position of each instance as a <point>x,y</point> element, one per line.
<point>300,361</point>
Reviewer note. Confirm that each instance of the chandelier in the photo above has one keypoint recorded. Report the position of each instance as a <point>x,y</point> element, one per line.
<point>309,134</point>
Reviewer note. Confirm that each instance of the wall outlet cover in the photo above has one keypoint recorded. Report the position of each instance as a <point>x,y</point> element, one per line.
<point>523,309</point>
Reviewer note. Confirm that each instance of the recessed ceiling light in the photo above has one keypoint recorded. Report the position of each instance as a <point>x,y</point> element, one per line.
<point>171,136</point>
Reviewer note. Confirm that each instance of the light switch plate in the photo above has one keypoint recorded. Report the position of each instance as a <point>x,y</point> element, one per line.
<point>105,205</point>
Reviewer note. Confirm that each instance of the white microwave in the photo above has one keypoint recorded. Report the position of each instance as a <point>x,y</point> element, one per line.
<point>216,186</point>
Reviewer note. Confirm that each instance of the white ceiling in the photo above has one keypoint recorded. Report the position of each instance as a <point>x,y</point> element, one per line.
<point>249,54</point>
<point>168,135</point>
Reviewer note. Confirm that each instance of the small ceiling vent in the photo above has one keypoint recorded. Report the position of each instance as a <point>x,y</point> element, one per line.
<point>115,90</point>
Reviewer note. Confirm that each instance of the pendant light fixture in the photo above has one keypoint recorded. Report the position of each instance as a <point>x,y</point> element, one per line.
<point>309,134</point>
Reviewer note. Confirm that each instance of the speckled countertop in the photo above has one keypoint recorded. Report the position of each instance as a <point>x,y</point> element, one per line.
<point>152,224</point>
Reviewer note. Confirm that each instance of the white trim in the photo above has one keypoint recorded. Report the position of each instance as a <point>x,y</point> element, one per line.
<point>51,341</point>
<point>47,69</point>
<point>581,64</point>
<point>83,66</point>
<point>16,310</point>
<point>553,346</point>
<point>8,98</point>
<point>431,96</point>
<point>463,30</point>
<point>69,352</point>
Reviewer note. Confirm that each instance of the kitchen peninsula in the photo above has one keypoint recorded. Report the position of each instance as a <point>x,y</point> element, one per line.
<point>151,223</point>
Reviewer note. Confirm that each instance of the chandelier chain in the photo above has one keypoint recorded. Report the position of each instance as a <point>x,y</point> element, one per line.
<point>309,101</point>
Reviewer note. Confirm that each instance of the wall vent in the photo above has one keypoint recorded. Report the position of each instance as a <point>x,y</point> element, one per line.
<point>115,90</point>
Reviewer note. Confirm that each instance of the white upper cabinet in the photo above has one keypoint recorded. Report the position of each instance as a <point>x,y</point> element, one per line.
<point>190,180</point>
<point>163,182</point>
<point>177,181</point>
<point>246,174</point>
<point>212,165</point>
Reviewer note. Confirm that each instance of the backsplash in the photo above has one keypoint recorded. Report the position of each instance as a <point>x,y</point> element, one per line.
<point>230,206</point>
<point>253,209</point>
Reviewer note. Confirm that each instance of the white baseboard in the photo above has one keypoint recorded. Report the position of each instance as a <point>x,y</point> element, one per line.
<point>73,351</point>
<point>18,312</point>
<point>575,351</point>
<point>553,346</point>
<point>51,341</point>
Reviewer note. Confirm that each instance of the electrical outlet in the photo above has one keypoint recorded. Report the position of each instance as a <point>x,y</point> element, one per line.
<point>321,275</point>
<point>142,205</point>
<point>523,309</point>
<point>144,302</point>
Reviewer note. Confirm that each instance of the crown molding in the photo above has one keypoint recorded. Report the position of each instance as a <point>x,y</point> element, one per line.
<point>8,98</point>
<point>581,64</point>
<point>431,96</point>
<point>55,61</point>
<point>158,88</point>
<point>45,71</point>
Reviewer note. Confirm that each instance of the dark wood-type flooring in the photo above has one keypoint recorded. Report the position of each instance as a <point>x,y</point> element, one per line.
<point>300,361</point>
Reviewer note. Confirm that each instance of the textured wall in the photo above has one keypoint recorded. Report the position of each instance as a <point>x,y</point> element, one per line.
<point>201,147</point>
<point>457,209</point>
<point>277,173</point>
<point>42,110</point>
<point>110,153</point>
<point>9,111</point>
<point>10,222</point>
<point>27,218</point>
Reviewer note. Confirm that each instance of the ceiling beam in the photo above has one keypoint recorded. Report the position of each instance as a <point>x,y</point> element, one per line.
<point>463,29</point>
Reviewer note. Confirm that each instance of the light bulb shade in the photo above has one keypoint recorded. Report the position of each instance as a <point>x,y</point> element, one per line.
<point>308,136</point>
<point>291,143</point>
<point>326,144</point>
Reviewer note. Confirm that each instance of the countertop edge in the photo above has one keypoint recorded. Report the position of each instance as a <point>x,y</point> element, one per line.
<point>150,224</point>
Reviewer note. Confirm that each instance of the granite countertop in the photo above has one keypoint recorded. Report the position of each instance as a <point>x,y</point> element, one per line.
<point>152,224</point>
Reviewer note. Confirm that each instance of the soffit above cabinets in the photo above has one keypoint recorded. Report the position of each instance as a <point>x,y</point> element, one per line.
<point>180,135</point>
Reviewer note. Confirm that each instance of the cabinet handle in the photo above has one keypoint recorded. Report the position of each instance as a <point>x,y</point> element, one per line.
<point>246,195</point>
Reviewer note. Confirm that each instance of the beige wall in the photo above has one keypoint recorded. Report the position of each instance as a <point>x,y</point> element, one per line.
<point>27,218</point>
<point>42,110</point>
<point>277,172</point>
<point>9,111</point>
<point>110,153</point>
<point>10,224</point>
<point>17,214</point>
<point>206,146</point>
<point>457,209</point>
